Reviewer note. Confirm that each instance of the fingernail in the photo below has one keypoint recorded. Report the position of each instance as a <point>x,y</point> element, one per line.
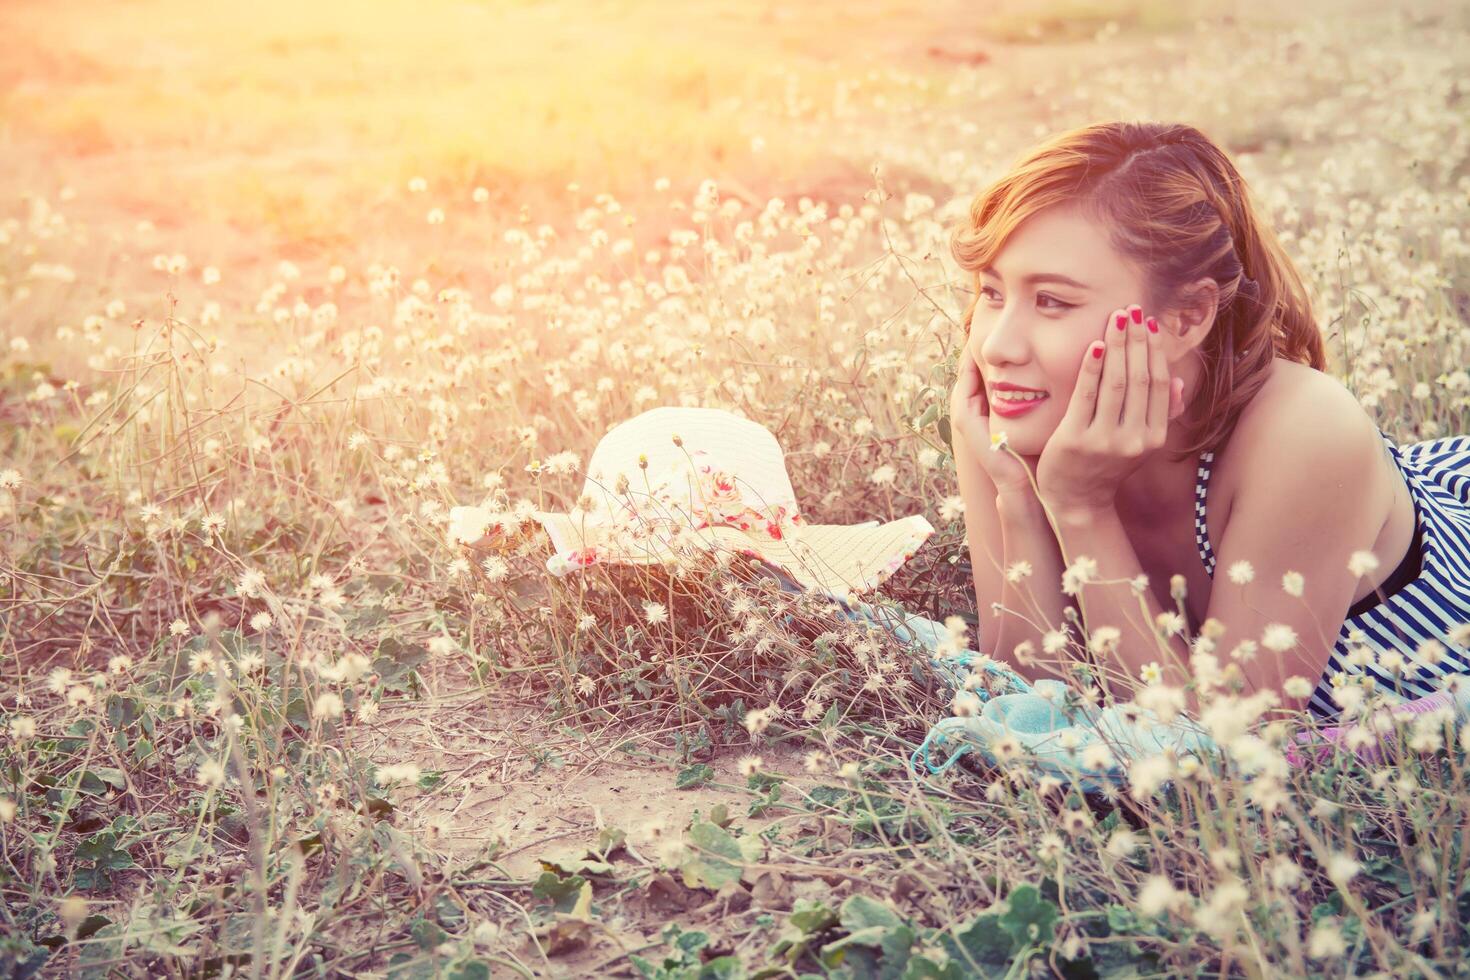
<point>1097,351</point>
<point>1137,315</point>
<point>1153,325</point>
<point>1122,320</point>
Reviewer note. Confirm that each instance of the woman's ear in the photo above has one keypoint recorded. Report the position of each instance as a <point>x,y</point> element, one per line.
<point>1197,309</point>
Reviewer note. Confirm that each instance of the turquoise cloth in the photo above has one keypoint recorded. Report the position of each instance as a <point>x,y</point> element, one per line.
<point>1040,715</point>
<point>1037,715</point>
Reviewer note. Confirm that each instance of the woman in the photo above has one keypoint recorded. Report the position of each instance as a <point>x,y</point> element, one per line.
<point>1143,385</point>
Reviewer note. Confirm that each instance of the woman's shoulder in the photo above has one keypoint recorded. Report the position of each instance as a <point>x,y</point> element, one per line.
<point>1299,406</point>
<point>1297,397</point>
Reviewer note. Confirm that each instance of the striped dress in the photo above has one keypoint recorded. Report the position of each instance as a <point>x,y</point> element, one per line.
<point>1425,598</point>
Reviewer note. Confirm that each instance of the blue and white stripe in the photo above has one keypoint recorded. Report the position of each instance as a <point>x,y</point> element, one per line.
<point>1437,474</point>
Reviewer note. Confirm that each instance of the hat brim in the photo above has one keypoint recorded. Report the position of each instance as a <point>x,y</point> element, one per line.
<point>833,558</point>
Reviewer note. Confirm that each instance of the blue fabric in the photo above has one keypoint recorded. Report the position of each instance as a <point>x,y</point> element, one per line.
<point>1036,714</point>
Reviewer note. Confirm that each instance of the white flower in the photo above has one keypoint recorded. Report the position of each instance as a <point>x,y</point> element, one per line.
<point>251,583</point>
<point>1169,623</point>
<point>1241,572</point>
<point>9,479</point>
<point>1105,639</point>
<point>1291,583</point>
<point>966,704</point>
<point>1081,571</point>
<point>1297,687</point>
<point>1278,637</point>
<point>1157,895</point>
<point>951,507</point>
<point>1146,775</point>
<point>211,773</point>
<point>1151,673</point>
<point>261,621</point>
<point>1342,868</point>
<point>1122,843</point>
<point>1285,873</point>
<point>1391,661</point>
<point>328,705</point>
<point>883,475</point>
<point>1097,757</point>
<point>1362,562</point>
<point>1017,570</point>
<point>1325,942</point>
<point>563,462</point>
<point>402,772</point>
<point>655,613</point>
<point>997,440</point>
<point>1431,651</point>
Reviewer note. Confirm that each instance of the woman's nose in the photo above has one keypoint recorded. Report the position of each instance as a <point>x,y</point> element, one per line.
<point>1006,340</point>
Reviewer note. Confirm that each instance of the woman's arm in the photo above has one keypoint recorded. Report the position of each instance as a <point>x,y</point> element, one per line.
<point>1002,530</point>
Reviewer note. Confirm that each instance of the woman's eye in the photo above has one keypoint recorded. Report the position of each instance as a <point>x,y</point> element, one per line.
<point>1051,302</point>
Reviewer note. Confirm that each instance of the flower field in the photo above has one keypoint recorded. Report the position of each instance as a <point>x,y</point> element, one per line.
<point>282,288</point>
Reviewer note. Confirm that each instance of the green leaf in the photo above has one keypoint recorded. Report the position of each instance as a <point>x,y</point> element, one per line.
<point>763,782</point>
<point>923,968</point>
<point>468,970</point>
<point>561,892</point>
<point>1028,917</point>
<point>810,916</point>
<point>297,714</point>
<point>694,776</point>
<point>427,934</point>
<point>718,857</point>
<point>862,912</point>
<point>92,879</point>
<point>984,941</point>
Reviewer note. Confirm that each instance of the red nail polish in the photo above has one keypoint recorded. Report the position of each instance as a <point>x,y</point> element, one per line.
<point>1138,316</point>
<point>1153,325</point>
<point>1122,320</point>
<point>1097,351</point>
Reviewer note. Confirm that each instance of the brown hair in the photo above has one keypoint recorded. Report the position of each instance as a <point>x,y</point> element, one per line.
<point>1180,211</point>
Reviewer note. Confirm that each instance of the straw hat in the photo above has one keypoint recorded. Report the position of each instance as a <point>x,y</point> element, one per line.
<point>712,481</point>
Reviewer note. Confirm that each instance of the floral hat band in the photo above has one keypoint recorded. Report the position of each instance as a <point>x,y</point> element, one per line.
<point>677,478</point>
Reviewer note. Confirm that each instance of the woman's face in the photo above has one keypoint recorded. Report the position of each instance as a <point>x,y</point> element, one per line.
<point>1046,297</point>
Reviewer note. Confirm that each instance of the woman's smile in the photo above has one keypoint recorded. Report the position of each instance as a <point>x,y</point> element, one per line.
<point>1013,404</point>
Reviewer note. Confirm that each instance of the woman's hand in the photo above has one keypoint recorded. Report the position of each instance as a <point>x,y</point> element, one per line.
<point>969,419</point>
<point>1118,415</point>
